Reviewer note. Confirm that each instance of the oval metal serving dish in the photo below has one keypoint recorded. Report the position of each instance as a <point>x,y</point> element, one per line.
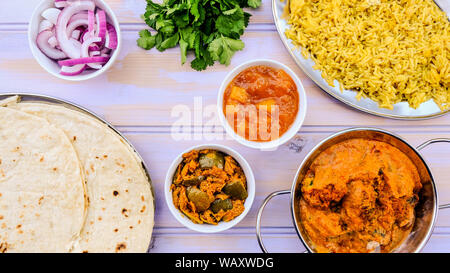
<point>25,97</point>
<point>402,110</point>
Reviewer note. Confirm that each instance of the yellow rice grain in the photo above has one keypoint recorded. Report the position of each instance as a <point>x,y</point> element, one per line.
<point>387,50</point>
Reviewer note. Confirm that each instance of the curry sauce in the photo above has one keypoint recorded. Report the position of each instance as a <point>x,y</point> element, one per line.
<point>261,103</point>
<point>359,196</point>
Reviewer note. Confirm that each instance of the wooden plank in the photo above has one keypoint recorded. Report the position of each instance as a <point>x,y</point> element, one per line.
<point>144,87</point>
<point>274,170</point>
<point>127,11</point>
<point>275,241</point>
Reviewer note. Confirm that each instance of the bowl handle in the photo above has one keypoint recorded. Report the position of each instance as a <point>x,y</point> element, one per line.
<point>427,143</point>
<point>260,212</point>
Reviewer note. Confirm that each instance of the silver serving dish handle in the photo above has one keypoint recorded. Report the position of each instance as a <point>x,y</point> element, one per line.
<point>427,143</point>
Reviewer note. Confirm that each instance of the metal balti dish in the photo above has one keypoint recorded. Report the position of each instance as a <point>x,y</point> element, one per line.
<point>401,110</point>
<point>26,97</point>
<point>426,209</point>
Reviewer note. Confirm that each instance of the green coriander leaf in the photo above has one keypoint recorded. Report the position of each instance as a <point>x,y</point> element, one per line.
<point>231,11</point>
<point>246,18</point>
<point>209,28</point>
<point>159,39</point>
<point>199,64</point>
<point>183,50</point>
<point>254,3</point>
<point>165,26</point>
<point>171,41</point>
<point>202,16</point>
<point>223,48</point>
<point>153,8</point>
<point>146,40</point>
<point>197,44</point>
<point>231,25</point>
<point>186,42</point>
<point>176,8</point>
<point>195,9</point>
<point>187,34</point>
<point>182,20</point>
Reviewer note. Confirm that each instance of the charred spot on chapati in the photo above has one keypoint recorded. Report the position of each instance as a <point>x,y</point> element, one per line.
<point>3,247</point>
<point>120,247</point>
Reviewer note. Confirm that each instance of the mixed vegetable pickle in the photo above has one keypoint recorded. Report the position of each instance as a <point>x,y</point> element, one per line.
<point>209,187</point>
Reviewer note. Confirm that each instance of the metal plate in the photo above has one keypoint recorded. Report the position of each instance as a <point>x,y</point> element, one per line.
<point>402,110</point>
<point>27,97</point>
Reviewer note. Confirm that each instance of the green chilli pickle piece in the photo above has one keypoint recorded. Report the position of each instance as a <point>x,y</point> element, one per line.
<point>220,204</point>
<point>199,198</point>
<point>193,180</point>
<point>236,189</point>
<point>177,174</point>
<point>211,159</point>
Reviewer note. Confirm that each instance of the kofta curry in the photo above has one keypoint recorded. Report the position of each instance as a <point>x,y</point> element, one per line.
<point>209,186</point>
<point>359,196</point>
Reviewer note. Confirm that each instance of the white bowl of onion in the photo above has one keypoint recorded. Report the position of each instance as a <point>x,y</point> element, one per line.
<point>74,40</point>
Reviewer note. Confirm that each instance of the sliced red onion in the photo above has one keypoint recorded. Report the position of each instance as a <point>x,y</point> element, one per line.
<point>111,37</point>
<point>61,3</point>
<point>106,50</point>
<point>72,70</point>
<point>84,35</point>
<point>86,44</point>
<point>45,25</point>
<point>75,24</point>
<point>94,47</point>
<point>91,23</point>
<point>85,50</point>
<point>76,44</point>
<point>100,17</point>
<point>88,60</point>
<point>46,48</point>
<point>76,34</point>
<point>53,42</point>
<point>51,14</point>
<point>79,15</point>
<point>61,26</point>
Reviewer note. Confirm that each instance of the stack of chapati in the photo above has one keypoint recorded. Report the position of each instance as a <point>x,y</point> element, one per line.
<point>69,183</point>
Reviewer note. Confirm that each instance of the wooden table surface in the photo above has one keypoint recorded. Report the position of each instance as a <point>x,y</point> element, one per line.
<point>140,95</point>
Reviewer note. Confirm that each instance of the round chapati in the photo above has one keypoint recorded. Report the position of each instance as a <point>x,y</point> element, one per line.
<point>42,191</point>
<point>120,214</point>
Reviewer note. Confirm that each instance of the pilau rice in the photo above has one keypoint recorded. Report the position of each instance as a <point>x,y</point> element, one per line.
<point>387,50</point>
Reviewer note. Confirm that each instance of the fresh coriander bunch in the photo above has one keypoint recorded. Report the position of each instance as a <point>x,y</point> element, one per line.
<point>210,28</point>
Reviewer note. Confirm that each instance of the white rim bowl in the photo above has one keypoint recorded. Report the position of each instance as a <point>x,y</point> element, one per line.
<point>296,125</point>
<point>52,66</point>
<point>207,228</point>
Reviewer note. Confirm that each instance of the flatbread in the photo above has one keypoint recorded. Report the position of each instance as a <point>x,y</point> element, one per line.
<point>42,190</point>
<point>120,215</point>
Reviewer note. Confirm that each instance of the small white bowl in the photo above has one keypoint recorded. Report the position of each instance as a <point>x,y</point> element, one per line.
<point>207,228</point>
<point>296,125</point>
<point>52,66</point>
